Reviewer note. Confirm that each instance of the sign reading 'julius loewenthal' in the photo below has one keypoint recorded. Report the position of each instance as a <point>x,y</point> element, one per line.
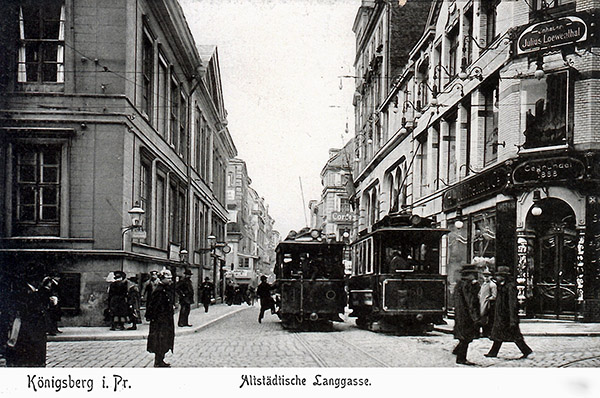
<point>555,33</point>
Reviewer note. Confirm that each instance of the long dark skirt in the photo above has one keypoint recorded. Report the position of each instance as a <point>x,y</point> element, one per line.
<point>162,336</point>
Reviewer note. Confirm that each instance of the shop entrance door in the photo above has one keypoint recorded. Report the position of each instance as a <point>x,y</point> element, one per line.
<point>556,273</point>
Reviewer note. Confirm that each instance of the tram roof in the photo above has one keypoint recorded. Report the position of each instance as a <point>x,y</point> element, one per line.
<point>288,244</point>
<point>417,230</point>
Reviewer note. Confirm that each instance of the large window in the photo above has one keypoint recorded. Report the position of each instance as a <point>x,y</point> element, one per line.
<point>183,125</point>
<point>451,165</point>
<point>147,75</point>
<point>491,13</point>
<point>37,190</point>
<point>174,115</point>
<point>163,92</point>
<point>546,4</point>
<point>177,215</point>
<point>453,44</point>
<point>490,114</point>
<point>42,40</point>
<point>160,211</point>
<point>545,110</point>
<point>146,191</point>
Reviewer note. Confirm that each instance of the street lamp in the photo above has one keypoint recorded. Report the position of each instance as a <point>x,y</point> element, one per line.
<point>135,214</point>
<point>213,245</point>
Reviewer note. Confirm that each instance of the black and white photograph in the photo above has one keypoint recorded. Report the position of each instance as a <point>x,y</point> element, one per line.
<point>329,197</point>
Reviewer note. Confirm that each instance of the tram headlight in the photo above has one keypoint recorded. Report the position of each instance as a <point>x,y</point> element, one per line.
<point>419,317</point>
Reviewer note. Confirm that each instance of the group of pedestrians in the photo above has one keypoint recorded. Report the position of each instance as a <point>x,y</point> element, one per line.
<point>492,305</point>
<point>124,302</point>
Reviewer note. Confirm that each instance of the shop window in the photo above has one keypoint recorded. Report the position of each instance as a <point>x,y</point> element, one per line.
<point>422,157</point>
<point>42,42</point>
<point>483,238</point>
<point>36,200</point>
<point>160,211</point>
<point>545,110</point>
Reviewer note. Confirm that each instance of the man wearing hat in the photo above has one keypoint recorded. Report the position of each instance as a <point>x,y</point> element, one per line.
<point>206,292</point>
<point>466,312</point>
<point>487,302</point>
<point>185,291</point>
<point>159,313</point>
<point>506,318</point>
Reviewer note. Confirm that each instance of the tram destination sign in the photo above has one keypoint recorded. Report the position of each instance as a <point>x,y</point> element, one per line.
<point>549,34</point>
<point>553,169</point>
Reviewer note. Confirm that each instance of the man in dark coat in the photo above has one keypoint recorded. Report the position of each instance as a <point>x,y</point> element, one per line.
<point>159,312</point>
<point>206,292</point>
<point>26,345</point>
<point>117,301</point>
<point>506,315</point>
<point>264,294</point>
<point>466,312</point>
<point>185,291</point>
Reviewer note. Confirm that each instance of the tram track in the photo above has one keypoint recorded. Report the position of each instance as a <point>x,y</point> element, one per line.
<point>568,364</point>
<point>313,351</point>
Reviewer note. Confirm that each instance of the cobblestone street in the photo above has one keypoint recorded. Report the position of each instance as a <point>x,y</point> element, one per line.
<point>240,341</point>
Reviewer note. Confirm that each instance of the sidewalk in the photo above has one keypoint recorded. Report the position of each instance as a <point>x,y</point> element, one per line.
<point>543,327</point>
<point>198,318</point>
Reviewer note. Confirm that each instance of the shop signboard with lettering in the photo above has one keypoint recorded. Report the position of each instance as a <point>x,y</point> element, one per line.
<point>476,188</point>
<point>549,170</point>
<point>549,34</point>
<point>341,217</point>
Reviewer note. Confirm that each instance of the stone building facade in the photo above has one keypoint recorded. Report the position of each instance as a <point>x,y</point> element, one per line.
<point>494,123</point>
<point>108,106</point>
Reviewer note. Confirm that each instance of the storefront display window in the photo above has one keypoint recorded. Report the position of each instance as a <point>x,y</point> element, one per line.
<point>483,240</point>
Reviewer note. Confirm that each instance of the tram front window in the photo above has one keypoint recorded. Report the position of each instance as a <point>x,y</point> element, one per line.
<point>398,259</point>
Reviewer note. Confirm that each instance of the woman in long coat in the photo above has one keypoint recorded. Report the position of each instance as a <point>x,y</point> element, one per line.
<point>159,312</point>
<point>117,301</point>
<point>506,315</point>
<point>466,312</point>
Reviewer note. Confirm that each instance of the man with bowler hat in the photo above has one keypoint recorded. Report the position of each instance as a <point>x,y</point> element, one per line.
<point>487,303</point>
<point>466,312</point>
<point>159,313</point>
<point>506,319</point>
<point>185,291</point>
<point>206,292</point>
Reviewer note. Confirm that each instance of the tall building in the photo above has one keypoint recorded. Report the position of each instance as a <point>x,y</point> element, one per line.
<point>108,108</point>
<point>494,135</point>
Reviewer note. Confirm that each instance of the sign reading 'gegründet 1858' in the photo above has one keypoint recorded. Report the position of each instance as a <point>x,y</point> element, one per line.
<point>555,33</point>
<point>553,169</point>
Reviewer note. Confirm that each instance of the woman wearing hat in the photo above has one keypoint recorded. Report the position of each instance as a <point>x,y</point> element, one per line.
<point>466,312</point>
<point>159,312</point>
<point>117,301</point>
<point>506,318</point>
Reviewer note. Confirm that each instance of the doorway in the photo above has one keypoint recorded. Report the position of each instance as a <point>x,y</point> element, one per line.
<point>554,277</point>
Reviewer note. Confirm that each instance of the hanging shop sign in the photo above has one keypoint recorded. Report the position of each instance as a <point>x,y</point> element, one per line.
<point>476,188</point>
<point>553,169</point>
<point>550,34</point>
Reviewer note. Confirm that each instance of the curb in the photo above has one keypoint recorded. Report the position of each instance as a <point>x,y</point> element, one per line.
<point>116,337</point>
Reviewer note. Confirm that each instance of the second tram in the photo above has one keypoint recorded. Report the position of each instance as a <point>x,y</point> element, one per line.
<point>310,280</point>
<point>396,284</point>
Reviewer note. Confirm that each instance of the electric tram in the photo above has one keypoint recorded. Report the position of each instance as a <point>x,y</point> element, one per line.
<point>310,280</point>
<point>396,284</point>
